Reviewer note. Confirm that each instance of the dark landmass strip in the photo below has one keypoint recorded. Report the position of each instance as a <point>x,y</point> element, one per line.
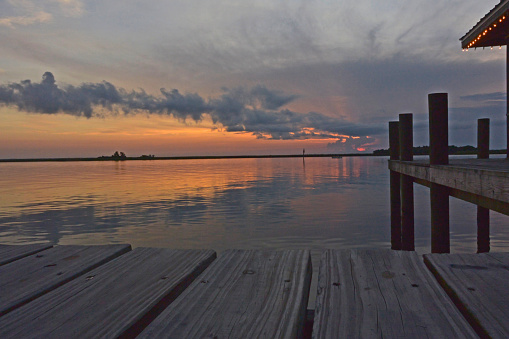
<point>151,157</point>
<point>453,150</point>
<point>419,150</point>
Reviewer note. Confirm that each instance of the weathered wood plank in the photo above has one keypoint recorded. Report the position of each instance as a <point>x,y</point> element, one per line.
<point>116,299</point>
<point>383,294</point>
<point>492,164</point>
<point>243,294</point>
<point>478,284</point>
<point>488,178</point>
<point>26,279</point>
<point>9,253</point>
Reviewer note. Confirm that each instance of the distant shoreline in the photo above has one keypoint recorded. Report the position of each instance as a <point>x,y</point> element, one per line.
<point>378,153</point>
<point>199,157</point>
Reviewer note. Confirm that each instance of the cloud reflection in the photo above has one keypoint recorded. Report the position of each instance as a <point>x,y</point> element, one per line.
<point>285,202</point>
<point>243,203</point>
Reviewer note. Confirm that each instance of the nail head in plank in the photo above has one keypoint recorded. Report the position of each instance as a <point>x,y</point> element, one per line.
<point>477,283</point>
<point>382,293</point>
<point>26,279</point>
<point>10,253</point>
<point>243,294</point>
<point>116,299</point>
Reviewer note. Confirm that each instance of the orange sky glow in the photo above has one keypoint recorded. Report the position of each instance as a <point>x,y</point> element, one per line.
<point>29,135</point>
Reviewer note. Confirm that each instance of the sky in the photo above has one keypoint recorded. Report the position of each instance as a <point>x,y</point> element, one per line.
<point>223,77</point>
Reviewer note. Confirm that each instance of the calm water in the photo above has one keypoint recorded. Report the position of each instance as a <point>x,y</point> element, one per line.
<point>246,203</point>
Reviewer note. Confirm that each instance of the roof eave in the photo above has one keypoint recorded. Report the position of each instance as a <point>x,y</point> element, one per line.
<point>485,23</point>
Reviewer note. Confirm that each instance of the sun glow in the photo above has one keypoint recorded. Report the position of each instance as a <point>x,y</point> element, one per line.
<point>34,135</point>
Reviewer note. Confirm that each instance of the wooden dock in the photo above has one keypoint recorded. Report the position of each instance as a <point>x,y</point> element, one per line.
<point>482,181</point>
<point>113,291</point>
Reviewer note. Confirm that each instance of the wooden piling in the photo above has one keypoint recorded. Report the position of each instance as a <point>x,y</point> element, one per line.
<point>439,203</point>
<point>438,129</point>
<point>406,140</point>
<point>394,140</point>
<point>483,138</point>
<point>439,155</point>
<point>483,214</point>
<point>483,229</point>
<point>406,137</point>
<point>395,178</point>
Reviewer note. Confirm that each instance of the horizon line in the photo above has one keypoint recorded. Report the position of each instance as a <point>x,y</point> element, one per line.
<point>192,157</point>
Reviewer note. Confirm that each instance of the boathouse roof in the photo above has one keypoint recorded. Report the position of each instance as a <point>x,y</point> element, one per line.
<point>491,30</point>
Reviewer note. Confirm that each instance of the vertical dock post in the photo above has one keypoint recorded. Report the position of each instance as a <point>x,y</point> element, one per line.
<point>406,137</point>
<point>483,138</point>
<point>438,129</point>
<point>507,98</point>
<point>439,155</point>
<point>395,187</point>
<point>483,214</point>
<point>483,229</point>
<point>406,143</point>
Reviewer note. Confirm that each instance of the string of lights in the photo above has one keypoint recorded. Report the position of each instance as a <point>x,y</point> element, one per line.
<point>493,27</point>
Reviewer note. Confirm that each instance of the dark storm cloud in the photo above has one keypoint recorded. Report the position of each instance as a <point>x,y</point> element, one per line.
<point>270,99</point>
<point>257,110</point>
<point>47,97</point>
<point>171,102</point>
<point>234,110</point>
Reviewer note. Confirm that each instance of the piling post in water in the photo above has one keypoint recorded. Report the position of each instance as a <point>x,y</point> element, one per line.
<point>438,129</point>
<point>406,137</point>
<point>395,187</point>
<point>439,155</point>
<point>483,214</point>
<point>483,138</point>
<point>507,99</point>
<point>483,229</point>
<point>406,143</point>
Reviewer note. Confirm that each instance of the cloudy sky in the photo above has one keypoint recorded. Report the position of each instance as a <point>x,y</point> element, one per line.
<point>198,77</point>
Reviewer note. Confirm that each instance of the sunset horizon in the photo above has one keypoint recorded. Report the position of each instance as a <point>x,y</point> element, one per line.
<point>263,78</point>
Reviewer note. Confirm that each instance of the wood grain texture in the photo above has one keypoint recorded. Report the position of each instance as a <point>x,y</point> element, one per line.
<point>478,284</point>
<point>10,253</point>
<point>382,294</point>
<point>26,279</point>
<point>243,294</point>
<point>116,299</point>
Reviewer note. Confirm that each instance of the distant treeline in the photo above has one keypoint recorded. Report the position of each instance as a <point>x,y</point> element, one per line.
<point>424,150</point>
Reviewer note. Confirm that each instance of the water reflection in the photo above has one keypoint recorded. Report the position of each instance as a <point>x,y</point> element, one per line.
<point>311,203</point>
<point>178,202</point>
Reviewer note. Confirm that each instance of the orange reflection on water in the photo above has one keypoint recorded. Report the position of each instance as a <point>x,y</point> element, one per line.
<point>116,181</point>
<point>351,168</point>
